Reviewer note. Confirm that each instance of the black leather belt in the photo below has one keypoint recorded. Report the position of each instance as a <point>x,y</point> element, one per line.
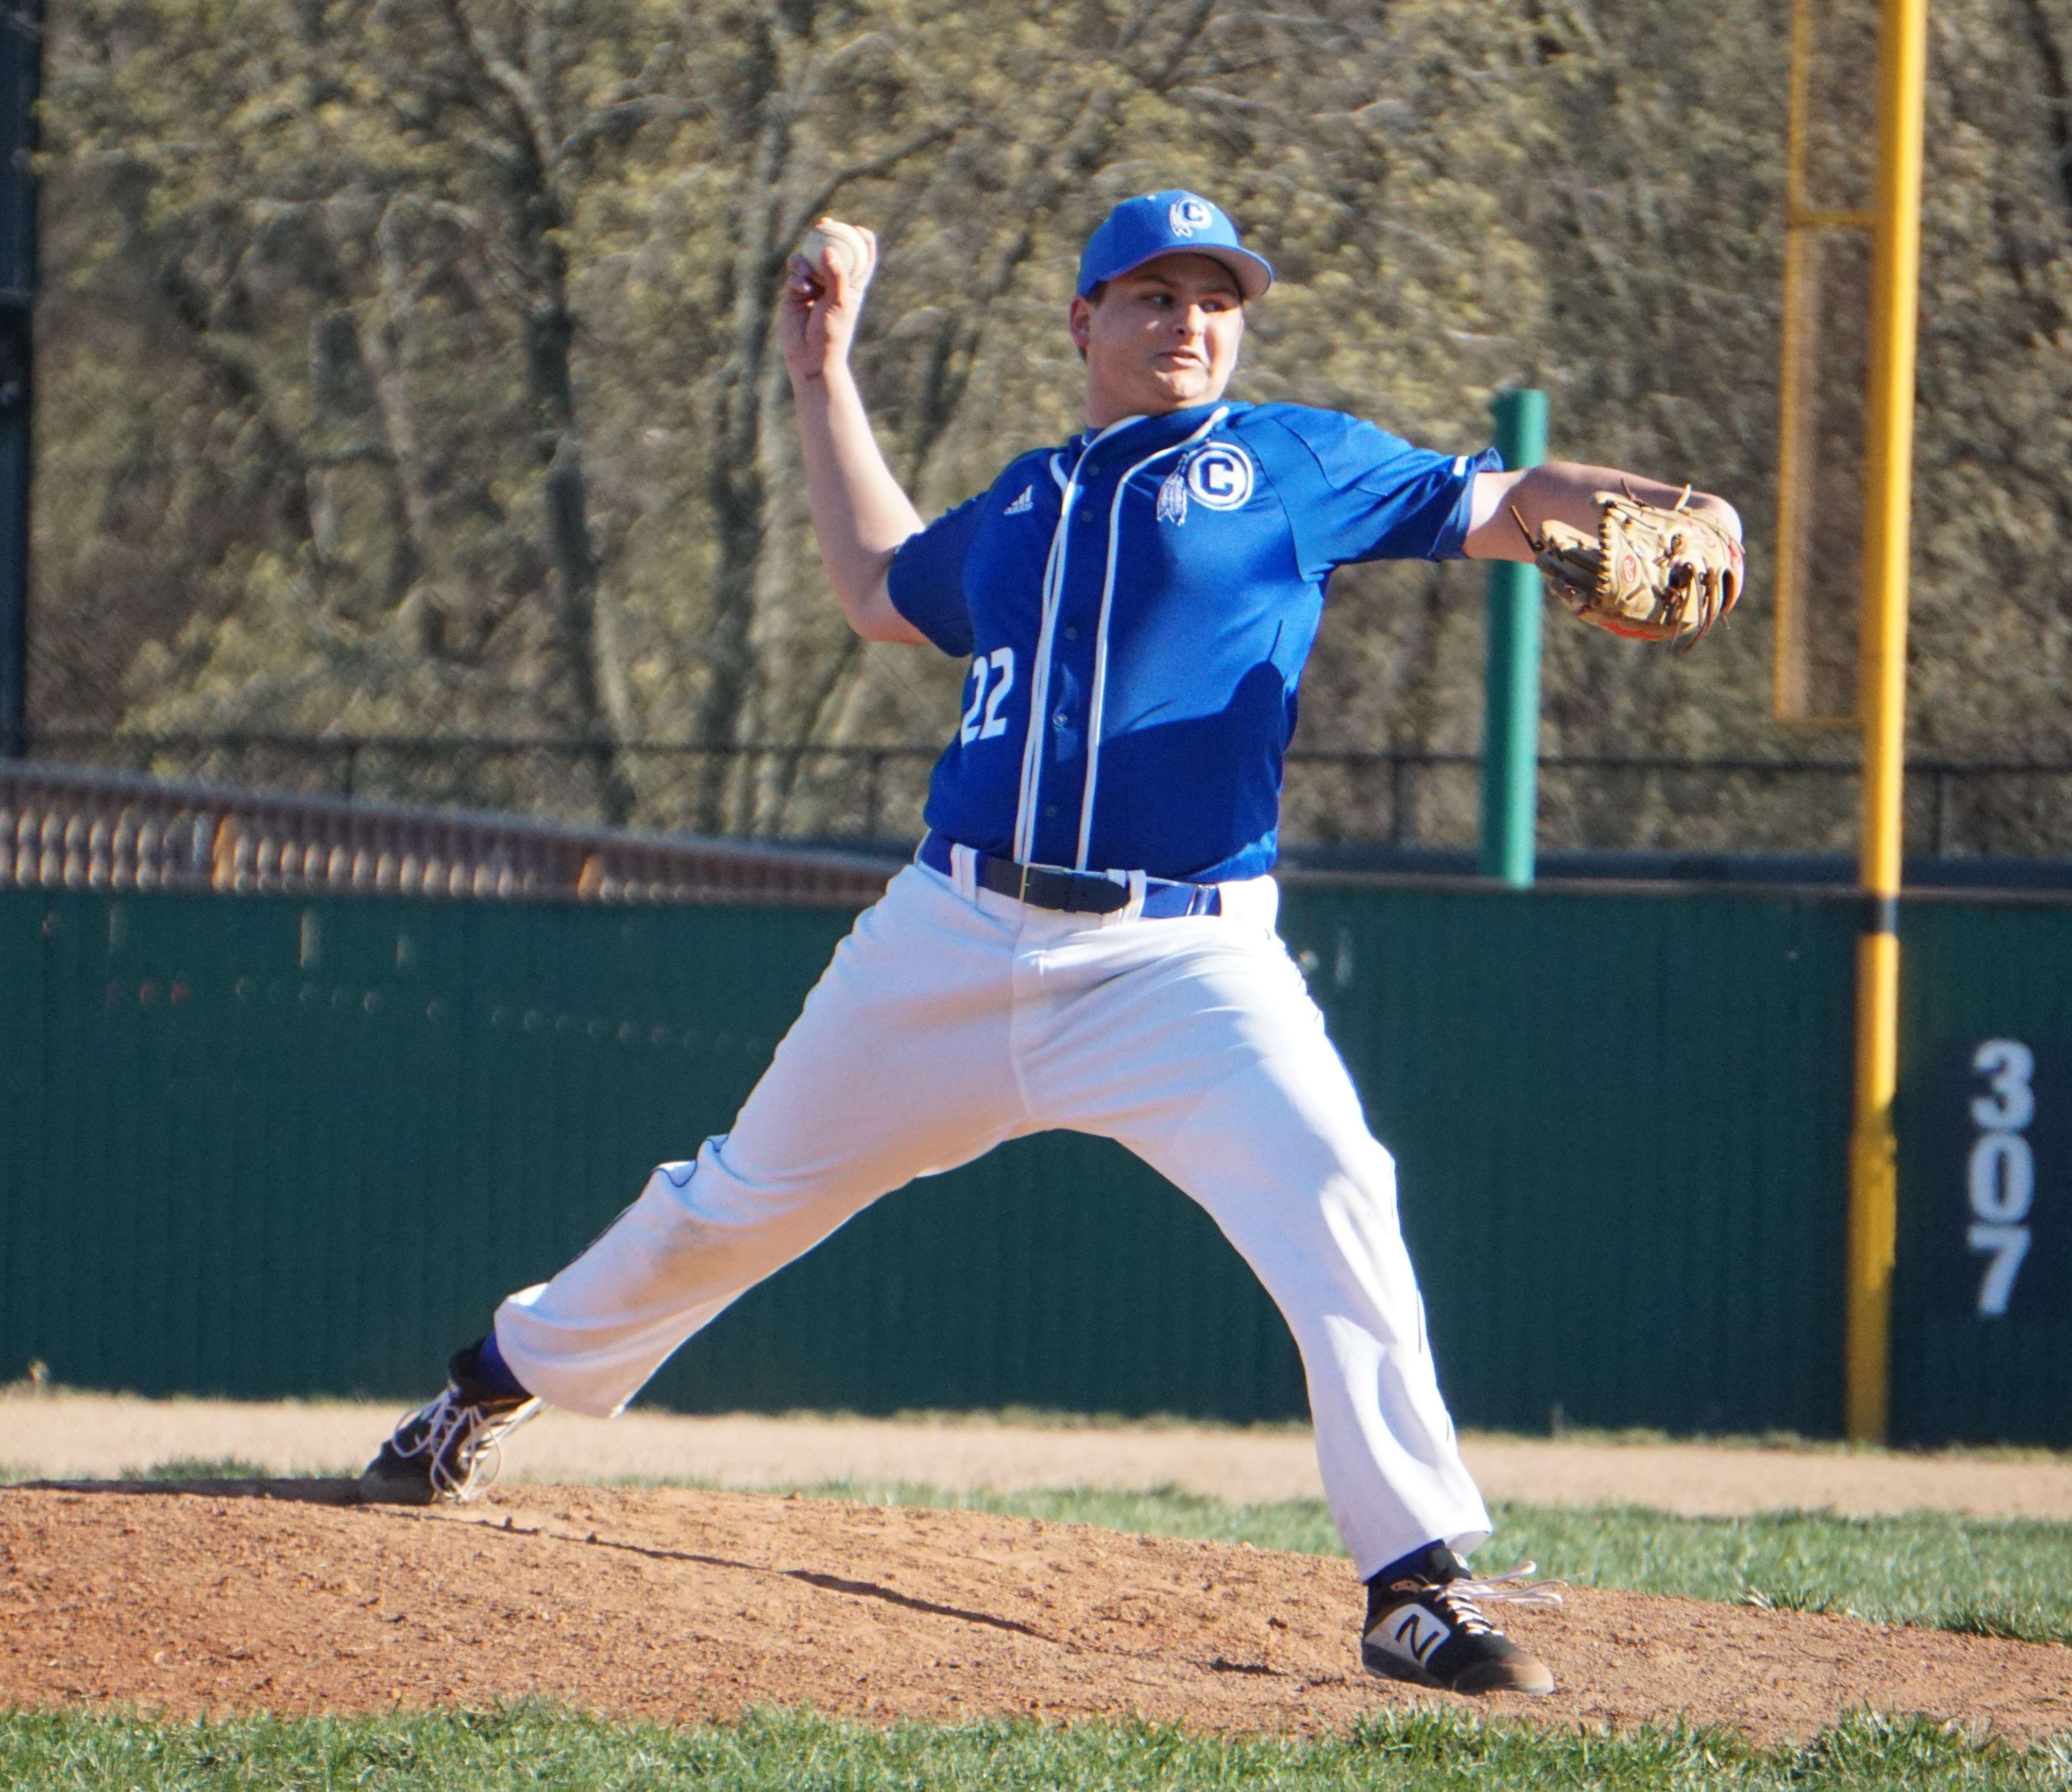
<point>1074,892</point>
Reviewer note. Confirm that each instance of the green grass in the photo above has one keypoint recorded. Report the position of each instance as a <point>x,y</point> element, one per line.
<point>187,1468</point>
<point>201,1468</point>
<point>1995,1577</point>
<point>532,1746</point>
<point>2002,1577</point>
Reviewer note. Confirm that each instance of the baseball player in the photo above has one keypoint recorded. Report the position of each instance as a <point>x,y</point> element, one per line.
<point>1086,937</point>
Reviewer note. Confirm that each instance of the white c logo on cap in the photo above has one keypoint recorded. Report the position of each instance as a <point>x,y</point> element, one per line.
<point>1220,476</point>
<point>1189,215</point>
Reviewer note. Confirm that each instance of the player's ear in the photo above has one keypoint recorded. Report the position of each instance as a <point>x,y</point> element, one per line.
<point>1079,320</point>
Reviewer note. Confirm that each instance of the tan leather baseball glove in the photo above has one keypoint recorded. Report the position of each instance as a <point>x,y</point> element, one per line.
<point>1652,574</point>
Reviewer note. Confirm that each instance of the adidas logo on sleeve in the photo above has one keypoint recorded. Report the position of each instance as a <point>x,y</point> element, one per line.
<point>1023,505</point>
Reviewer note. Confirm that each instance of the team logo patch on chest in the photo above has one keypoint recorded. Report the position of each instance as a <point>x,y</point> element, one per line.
<point>1220,476</point>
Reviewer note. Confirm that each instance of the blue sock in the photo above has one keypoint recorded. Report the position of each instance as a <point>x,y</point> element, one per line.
<point>1412,1563</point>
<point>494,1372</point>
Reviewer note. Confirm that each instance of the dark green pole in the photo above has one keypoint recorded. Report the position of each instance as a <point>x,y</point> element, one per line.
<point>1511,695</point>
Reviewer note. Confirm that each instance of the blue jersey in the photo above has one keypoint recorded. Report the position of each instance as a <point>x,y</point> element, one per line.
<point>1137,606</point>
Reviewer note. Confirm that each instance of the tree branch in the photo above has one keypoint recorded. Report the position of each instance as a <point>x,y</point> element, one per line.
<point>493,68</point>
<point>926,138</point>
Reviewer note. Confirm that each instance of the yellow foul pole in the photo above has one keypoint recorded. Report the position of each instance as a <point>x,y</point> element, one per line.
<point>1888,480</point>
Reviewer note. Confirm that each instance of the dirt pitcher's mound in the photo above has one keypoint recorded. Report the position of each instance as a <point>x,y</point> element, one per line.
<point>675,1605</point>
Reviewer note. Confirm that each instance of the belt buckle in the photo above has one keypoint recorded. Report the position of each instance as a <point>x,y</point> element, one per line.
<point>1022,888</point>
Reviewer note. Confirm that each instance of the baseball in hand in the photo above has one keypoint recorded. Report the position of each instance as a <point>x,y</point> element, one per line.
<point>843,245</point>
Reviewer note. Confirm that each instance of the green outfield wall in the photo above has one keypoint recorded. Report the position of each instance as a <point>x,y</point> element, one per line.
<point>265,1145</point>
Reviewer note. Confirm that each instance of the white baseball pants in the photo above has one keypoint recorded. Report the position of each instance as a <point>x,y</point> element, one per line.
<point>951,1019</point>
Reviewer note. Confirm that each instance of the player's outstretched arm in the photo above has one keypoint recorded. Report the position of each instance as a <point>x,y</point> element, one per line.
<point>1564,491</point>
<point>860,515</point>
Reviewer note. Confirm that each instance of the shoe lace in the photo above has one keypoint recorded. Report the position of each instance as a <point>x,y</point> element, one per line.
<point>462,1441</point>
<point>1464,1597</point>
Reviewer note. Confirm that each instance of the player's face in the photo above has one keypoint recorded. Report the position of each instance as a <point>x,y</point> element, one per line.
<point>1164,336</point>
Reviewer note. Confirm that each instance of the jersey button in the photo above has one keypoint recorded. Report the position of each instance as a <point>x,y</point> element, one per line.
<point>1072,633</point>
<point>1059,720</point>
<point>1049,808</point>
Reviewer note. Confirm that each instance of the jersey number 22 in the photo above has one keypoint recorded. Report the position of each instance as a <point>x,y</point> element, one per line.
<point>1000,660</point>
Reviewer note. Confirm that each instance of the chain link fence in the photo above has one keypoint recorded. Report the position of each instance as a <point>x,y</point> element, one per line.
<point>854,792</point>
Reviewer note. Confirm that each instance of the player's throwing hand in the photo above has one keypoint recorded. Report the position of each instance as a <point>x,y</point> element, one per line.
<point>824,287</point>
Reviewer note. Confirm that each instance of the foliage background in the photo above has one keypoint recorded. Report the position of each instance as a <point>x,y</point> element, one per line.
<point>406,366</point>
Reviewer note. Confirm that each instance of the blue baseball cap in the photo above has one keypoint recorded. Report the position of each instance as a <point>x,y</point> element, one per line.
<point>1174,222</point>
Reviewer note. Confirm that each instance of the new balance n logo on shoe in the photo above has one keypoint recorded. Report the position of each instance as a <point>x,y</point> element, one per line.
<point>1410,1632</point>
<point>1023,505</point>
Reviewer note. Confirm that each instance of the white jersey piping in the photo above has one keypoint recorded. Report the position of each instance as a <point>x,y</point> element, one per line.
<point>1039,691</point>
<point>1099,702</point>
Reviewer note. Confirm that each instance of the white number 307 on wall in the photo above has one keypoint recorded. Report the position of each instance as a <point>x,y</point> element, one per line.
<point>2002,1170</point>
